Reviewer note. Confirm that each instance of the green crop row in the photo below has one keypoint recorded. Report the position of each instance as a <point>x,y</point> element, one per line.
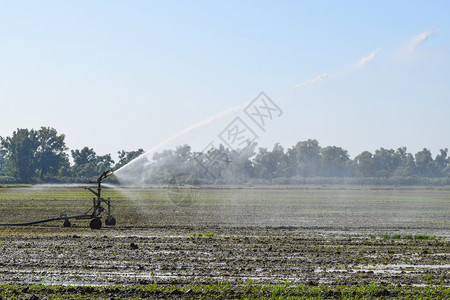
<point>405,237</point>
<point>223,290</point>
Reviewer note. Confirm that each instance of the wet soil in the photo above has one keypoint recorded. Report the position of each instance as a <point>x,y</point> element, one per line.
<point>173,255</point>
<point>326,238</point>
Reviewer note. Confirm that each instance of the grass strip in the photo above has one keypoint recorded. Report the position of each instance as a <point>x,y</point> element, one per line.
<point>223,290</point>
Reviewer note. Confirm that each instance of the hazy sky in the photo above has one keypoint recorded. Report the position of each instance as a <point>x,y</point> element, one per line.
<point>116,75</point>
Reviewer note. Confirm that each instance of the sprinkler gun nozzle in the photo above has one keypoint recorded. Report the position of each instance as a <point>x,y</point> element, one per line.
<point>105,175</point>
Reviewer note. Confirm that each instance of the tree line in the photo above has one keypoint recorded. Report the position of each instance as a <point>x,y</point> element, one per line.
<point>33,156</point>
<point>42,156</point>
<point>305,162</point>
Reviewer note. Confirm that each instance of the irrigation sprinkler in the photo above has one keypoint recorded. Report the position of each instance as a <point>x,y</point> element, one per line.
<point>94,213</point>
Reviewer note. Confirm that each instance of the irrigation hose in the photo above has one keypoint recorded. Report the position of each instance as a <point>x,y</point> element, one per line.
<point>45,220</point>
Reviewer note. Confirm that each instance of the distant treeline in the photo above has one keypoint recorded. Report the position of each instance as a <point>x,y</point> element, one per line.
<point>30,156</point>
<point>40,156</point>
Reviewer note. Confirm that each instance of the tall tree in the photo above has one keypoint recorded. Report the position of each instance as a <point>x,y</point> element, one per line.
<point>87,164</point>
<point>103,163</point>
<point>408,166</point>
<point>3,153</point>
<point>304,158</point>
<point>21,148</point>
<point>50,154</point>
<point>441,161</point>
<point>264,164</point>
<point>280,159</point>
<point>271,164</point>
<point>335,161</point>
<point>386,161</point>
<point>424,162</point>
<point>216,162</point>
<point>84,162</point>
<point>364,164</point>
<point>241,167</point>
<point>127,156</point>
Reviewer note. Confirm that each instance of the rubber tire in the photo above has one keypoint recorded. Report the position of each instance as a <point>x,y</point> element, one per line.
<point>95,223</point>
<point>111,221</point>
<point>66,223</point>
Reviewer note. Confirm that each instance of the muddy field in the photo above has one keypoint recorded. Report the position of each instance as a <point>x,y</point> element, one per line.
<point>176,256</point>
<point>331,243</point>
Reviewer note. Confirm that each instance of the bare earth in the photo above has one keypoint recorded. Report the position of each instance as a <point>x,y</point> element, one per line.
<point>170,256</point>
<point>259,243</point>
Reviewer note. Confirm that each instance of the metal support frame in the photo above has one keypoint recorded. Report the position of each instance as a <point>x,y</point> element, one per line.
<point>96,208</point>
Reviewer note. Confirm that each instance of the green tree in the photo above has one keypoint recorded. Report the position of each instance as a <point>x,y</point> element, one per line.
<point>407,165</point>
<point>216,162</point>
<point>304,158</point>
<point>127,156</point>
<point>168,164</point>
<point>183,154</point>
<point>279,157</point>
<point>386,161</point>
<point>241,167</point>
<point>335,161</point>
<point>87,164</point>
<point>441,162</point>
<point>21,150</point>
<point>424,163</point>
<point>163,165</point>
<point>103,163</point>
<point>271,164</point>
<point>50,154</point>
<point>84,162</point>
<point>264,165</point>
<point>3,153</point>
<point>364,164</point>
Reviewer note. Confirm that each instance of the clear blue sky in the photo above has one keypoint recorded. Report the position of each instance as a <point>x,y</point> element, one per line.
<point>116,75</point>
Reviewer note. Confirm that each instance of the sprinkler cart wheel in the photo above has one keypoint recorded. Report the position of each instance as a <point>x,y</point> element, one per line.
<point>111,221</point>
<point>95,223</point>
